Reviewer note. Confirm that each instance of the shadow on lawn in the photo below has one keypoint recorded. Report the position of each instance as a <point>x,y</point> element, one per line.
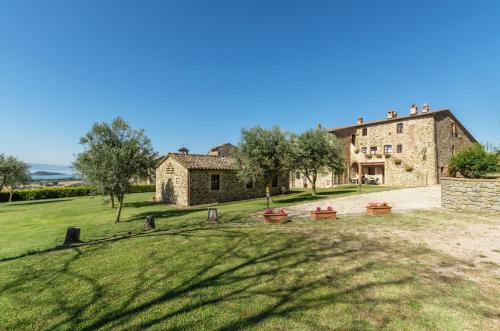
<point>36,202</point>
<point>274,276</point>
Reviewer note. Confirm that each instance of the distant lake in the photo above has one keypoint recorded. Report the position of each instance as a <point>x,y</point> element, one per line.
<point>65,172</point>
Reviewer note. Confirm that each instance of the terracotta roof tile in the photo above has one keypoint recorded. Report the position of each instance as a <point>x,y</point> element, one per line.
<point>207,162</point>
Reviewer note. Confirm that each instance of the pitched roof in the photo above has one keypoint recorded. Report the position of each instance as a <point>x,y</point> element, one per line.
<point>396,119</point>
<point>206,162</point>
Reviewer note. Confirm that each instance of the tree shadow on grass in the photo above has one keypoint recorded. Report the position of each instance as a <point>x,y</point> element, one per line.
<point>36,202</point>
<point>258,276</point>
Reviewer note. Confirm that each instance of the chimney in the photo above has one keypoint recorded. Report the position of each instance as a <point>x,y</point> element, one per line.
<point>413,109</point>
<point>360,120</point>
<point>183,151</point>
<point>392,113</point>
<point>426,108</point>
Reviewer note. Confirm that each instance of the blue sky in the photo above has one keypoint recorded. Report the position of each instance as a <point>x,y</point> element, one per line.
<point>194,73</point>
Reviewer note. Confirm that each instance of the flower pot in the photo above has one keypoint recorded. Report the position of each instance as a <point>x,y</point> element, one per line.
<point>323,215</point>
<point>378,210</point>
<point>275,218</point>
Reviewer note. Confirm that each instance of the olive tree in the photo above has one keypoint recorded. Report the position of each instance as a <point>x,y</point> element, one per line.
<point>262,155</point>
<point>13,173</point>
<point>314,152</point>
<point>113,155</point>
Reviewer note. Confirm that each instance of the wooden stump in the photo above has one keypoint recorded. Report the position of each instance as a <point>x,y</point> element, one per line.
<point>149,223</point>
<point>213,218</point>
<point>72,236</point>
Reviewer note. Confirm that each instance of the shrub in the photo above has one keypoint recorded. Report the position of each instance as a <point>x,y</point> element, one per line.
<point>472,162</point>
<point>387,156</point>
<point>369,156</point>
<point>63,192</point>
<point>397,161</point>
<point>356,151</point>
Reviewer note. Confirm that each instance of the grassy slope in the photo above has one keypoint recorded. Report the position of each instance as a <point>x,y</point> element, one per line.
<point>299,275</point>
<point>41,224</point>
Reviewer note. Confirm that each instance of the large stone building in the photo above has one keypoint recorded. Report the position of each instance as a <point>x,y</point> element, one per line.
<point>407,150</point>
<point>191,179</point>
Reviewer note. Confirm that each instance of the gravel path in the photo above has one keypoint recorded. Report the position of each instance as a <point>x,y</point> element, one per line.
<point>402,199</point>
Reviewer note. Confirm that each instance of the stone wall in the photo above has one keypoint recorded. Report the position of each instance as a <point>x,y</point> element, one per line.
<point>448,140</point>
<point>324,180</point>
<point>470,194</point>
<point>417,164</point>
<point>172,183</point>
<point>231,188</point>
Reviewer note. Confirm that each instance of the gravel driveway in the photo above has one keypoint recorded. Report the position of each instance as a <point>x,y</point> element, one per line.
<point>427,197</point>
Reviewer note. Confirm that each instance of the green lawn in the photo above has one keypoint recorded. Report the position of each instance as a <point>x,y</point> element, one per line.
<point>238,274</point>
<point>37,225</point>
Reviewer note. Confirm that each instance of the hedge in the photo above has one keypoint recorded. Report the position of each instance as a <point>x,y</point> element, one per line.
<point>64,192</point>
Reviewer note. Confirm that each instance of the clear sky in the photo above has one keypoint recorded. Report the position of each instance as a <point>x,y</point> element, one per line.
<point>194,72</point>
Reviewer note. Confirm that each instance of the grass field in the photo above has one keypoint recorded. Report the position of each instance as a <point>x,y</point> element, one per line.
<point>238,274</point>
<point>28,226</point>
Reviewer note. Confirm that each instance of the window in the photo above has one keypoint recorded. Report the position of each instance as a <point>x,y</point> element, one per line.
<point>399,128</point>
<point>371,171</point>
<point>363,150</point>
<point>365,131</point>
<point>454,129</point>
<point>275,181</point>
<point>215,182</point>
<point>373,150</point>
<point>353,139</point>
<point>297,175</point>
<point>387,149</point>
<point>399,149</point>
<point>249,184</point>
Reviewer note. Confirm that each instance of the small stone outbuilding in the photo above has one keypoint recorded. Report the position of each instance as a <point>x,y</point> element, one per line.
<point>192,179</point>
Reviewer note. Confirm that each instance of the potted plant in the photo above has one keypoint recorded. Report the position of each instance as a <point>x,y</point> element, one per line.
<point>375,208</point>
<point>379,156</point>
<point>408,167</point>
<point>356,151</point>
<point>328,214</point>
<point>279,216</point>
<point>397,161</point>
<point>369,156</point>
<point>387,156</point>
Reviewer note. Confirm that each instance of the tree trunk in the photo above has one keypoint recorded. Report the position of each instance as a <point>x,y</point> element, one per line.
<point>268,195</point>
<point>313,183</point>
<point>119,210</point>
<point>112,200</point>
<point>11,193</point>
<point>149,223</point>
<point>72,236</point>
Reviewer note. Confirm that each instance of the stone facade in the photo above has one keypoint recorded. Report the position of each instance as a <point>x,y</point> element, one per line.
<point>231,188</point>
<point>480,195</point>
<point>324,180</point>
<point>172,182</point>
<point>410,150</point>
<point>181,183</point>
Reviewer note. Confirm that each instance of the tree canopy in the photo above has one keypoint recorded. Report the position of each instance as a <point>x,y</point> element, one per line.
<point>314,152</point>
<point>13,172</point>
<point>472,162</point>
<point>114,154</point>
<point>262,155</point>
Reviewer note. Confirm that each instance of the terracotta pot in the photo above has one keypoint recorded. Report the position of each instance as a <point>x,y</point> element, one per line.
<point>379,210</point>
<point>275,218</point>
<point>323,215</point>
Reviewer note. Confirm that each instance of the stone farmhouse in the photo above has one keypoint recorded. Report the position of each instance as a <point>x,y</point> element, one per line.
<point>410,150</point>
<point>186,179</point>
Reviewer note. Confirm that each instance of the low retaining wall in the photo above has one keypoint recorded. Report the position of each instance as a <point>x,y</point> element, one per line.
<point>470,194</point>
